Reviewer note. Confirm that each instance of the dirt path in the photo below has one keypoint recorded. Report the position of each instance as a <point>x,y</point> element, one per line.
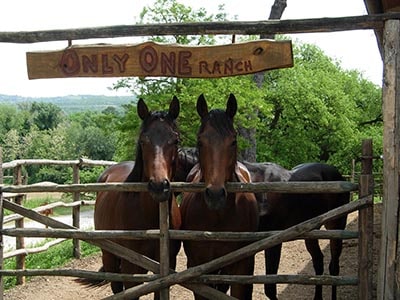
<point>295,260</point>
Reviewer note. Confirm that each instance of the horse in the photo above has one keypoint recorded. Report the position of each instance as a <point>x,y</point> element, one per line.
<point>155,164</point>
<point>283,210</point>
<point>266,172</point>
<point>214,209</point>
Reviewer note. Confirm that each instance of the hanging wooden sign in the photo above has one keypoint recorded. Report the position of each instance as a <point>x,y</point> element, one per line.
<point>152,59</point>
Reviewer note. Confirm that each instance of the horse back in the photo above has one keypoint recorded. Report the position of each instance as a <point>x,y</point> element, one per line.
<point>315,172</point>
<point>117,173</point>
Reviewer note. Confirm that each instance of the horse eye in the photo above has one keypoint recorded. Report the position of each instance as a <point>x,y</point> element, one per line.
<point>234,143</point>
<point>199,144</point>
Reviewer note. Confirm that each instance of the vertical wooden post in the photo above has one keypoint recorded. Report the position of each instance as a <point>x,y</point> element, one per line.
<point>76,210</point>
<point>1,226</point>
<point>388,270</point>
<point>164,245</point>
<point>365,225</point>
<point>19,241</point>
<point>1,245</point>
<point>1,166</point>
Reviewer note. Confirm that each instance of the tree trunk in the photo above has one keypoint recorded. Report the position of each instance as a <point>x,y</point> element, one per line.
<point>249,153</point>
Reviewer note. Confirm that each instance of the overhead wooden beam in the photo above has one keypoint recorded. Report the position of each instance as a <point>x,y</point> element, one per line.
<point>201,28</point>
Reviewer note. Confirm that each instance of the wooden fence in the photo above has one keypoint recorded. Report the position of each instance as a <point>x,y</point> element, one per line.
<point>194,278</point>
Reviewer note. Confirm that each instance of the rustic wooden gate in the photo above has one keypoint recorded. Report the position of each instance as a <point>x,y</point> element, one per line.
<point>264,240</point>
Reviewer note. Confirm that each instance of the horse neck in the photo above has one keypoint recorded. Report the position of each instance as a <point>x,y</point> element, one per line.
<point>137,172</point>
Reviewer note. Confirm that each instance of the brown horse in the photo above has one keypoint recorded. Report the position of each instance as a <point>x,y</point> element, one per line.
<point>214,209</point>
<point>155,163</point>
<point>285,210</point>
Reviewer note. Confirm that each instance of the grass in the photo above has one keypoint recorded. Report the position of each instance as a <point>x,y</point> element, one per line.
<point>54,257</point>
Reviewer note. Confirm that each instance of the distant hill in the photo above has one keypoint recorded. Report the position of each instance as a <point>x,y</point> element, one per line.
<point>75,103</point>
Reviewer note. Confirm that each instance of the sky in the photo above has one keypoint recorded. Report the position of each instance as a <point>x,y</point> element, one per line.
<point>353,49</point>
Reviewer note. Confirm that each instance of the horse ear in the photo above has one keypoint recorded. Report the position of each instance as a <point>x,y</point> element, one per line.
<point>142,109</point>
<point>231,106</point>
<point>174,108</point>
<point>202,109</point>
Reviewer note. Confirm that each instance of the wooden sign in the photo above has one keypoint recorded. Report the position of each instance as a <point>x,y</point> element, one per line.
<point>152,59</point>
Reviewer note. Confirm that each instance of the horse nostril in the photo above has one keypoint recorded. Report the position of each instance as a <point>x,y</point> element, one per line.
<point>215,193</point>
<point>159,187</point>
<point>166,186</point>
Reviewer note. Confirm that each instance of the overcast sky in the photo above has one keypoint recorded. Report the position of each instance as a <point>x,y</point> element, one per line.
<point>354,49</point>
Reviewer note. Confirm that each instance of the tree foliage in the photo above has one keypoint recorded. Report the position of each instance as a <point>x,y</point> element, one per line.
<point>320,111</point>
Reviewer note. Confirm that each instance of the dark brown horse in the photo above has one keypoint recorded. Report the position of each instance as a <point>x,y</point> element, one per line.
<point>214,209</point>
<point>155,164</point>
<point>285,210</point>
<point>266,172</point>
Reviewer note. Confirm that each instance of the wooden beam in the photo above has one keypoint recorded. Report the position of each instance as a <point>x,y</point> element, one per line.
<point>388,277</point>
<point>202,28</point>
<point>365,225</point>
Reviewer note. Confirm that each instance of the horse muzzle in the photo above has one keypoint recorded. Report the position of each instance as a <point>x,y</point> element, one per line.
<point>215,198</point>
<point>159,190</point>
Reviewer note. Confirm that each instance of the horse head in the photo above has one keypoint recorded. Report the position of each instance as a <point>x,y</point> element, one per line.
<point>157,149</point>
<point>217,149</point>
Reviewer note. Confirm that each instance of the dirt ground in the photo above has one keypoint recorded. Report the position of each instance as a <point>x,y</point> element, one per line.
<point>295,260</point>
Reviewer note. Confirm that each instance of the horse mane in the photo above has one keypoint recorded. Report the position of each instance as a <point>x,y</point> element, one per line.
<point>137,172</point>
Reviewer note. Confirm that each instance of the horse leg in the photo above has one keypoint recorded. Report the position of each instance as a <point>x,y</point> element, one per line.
<point>111,263</point>
<point>244,267</point>
<point>129,268</point>
<point>318,263</point>
<point>272,257</point>
<point>336,247</point>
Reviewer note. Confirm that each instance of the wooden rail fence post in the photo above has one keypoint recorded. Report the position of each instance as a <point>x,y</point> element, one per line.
<point>388,270</point>
<point>1,226</point>
<point>19,241</point>
<point>76,213</point>
<point>365,225</point>
<point>164,246</point>
<point>1,166</point>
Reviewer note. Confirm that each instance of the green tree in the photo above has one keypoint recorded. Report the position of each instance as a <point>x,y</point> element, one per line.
<point>46,115</point>
<point>318,110</point>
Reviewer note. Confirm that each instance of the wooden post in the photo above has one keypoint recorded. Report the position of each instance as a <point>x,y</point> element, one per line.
<point>19,241</point>
<point>1,225</point>
<point>388,273</point>
<point>1,166</point>
<point>76,210</point>
<point>164,246</point>
<point>365,225</point>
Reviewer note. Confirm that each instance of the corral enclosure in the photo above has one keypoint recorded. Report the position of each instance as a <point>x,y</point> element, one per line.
<point>386,23</point>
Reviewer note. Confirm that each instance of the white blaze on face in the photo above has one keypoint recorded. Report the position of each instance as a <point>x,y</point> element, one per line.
<point>159,166</point>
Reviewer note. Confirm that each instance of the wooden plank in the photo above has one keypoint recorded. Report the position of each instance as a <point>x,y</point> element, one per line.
<point>387,275</point>
<point>1,248</point>
<point>76,212</point>
<point>284,187</point>
<point>174,234</point>
<point>152,59</point>
<point>211,279</point>
<point>365,225</point>
<point>164,245</point>
<point>373,21</point>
